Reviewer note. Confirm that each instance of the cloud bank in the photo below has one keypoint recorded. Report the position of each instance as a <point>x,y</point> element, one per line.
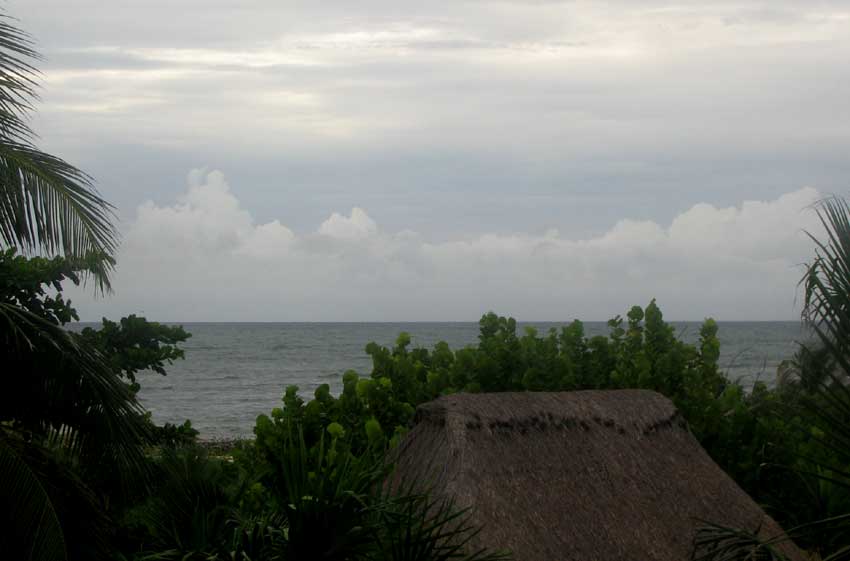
<point>205,258</point>
<point>450,117</point>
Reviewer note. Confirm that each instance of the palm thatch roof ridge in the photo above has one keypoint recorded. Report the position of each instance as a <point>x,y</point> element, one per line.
<point>575,476</point>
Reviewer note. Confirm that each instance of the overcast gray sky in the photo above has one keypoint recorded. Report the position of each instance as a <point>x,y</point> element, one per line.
<point>387,160</point>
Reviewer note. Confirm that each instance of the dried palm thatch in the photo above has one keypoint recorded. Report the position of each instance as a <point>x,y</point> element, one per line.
<point>590,475</point>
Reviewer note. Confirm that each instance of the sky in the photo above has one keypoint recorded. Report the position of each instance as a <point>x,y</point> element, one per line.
<point>388,161</point>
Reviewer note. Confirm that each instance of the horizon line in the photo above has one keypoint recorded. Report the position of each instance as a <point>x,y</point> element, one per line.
<point>360,322</point>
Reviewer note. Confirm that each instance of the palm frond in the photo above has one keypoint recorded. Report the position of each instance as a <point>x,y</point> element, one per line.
<point>18,86</point>
<point>421,526</point>
<point>190,510</point>
<point>825,405</point>
<point>62,390</point>
<point>86,526</point>
<point>30,524</point>
<point>827,310</point>
<point>46,204</point>
<point>715,542</point>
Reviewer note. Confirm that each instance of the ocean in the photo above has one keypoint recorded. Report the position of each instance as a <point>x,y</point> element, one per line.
<point>235,371</point>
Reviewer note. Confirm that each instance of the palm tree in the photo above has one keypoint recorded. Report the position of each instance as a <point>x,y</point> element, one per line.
<point>46,204</point>
<point>66,421</point>
<point>825,405</point>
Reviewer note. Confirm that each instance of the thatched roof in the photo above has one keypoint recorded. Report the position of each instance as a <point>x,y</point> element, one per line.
<point>590,475</point>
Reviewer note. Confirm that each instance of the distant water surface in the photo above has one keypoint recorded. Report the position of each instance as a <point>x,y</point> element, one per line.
<point>235,371</point>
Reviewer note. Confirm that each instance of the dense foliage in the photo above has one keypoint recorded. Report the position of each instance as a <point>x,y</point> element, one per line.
<point>380,407</point>
<point>70,427</point>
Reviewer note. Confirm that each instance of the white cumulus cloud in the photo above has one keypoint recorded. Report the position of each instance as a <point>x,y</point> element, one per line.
<point>355,226</point>
<point>205,258</point>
